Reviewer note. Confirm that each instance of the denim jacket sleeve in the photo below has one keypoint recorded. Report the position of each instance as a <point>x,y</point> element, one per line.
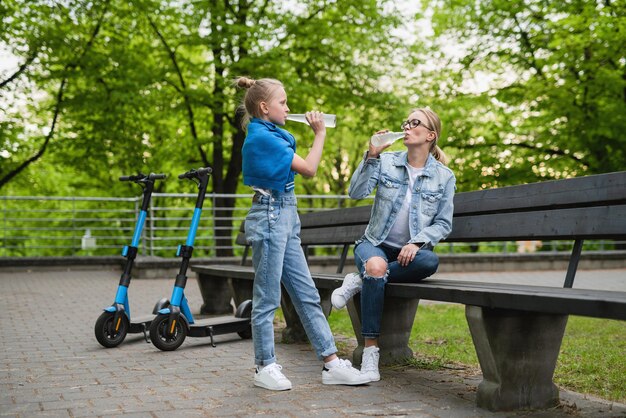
<point>441,226</point>
<point>365,178</point>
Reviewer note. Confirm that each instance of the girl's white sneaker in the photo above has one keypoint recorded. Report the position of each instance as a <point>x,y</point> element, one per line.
<point>270,377</point>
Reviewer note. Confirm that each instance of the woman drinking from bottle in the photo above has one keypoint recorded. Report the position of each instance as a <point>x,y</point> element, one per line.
<point>412,212</point>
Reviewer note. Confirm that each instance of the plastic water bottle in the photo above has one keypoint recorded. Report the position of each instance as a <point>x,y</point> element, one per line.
<point>379,140</point>
<point>329,120</point>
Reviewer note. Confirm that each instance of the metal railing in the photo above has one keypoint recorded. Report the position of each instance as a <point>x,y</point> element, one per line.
<point>68,226</point>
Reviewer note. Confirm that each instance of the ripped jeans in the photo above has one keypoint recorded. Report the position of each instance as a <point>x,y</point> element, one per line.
<point>423,265</point>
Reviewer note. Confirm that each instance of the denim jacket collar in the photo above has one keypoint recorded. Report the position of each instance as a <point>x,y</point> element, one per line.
<point>402,159</point>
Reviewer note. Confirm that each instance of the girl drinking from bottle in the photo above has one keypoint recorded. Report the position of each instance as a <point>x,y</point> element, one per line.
<point>272,228</point>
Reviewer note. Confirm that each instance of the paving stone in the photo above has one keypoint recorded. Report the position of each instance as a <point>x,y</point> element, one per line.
<point>52,366</point>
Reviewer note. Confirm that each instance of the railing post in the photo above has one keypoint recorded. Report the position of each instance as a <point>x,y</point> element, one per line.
<point>4,227</point>
<point>151,227</point>
<point>213,201</point>
<point>74,226</point>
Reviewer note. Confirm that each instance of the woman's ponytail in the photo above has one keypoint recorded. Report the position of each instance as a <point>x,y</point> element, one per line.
<point>439,155</point>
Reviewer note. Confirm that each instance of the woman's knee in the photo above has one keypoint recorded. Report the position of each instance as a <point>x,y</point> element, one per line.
<point>430,262</point>
<point>376,267</point>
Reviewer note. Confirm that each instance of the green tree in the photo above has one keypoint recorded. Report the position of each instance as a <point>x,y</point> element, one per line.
<point>555,100</point>
<point>113,87</point>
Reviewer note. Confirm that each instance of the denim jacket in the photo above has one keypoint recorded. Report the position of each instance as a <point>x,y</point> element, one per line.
<point>431,209</point>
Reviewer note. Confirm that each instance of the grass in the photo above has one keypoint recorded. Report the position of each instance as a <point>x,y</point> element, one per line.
<point>592,358</point>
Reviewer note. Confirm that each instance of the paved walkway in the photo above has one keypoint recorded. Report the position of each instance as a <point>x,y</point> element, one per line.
<point>51,365</point>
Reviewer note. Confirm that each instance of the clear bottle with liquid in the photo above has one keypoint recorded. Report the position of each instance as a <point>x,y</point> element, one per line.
<point>329,120</point>
<point>378,140</point>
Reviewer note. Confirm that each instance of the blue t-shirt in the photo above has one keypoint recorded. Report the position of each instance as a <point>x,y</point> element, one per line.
<point>267,155</point>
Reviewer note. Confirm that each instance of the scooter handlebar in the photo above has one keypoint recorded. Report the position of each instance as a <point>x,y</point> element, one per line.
<point>132,178</point>
<point>193,173</point>
<point>154,176</point>
<point>141,176</point>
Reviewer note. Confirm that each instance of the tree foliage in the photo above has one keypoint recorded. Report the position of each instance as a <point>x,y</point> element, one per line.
<point>554,98</point>
<point>527,89</point>
<point>113,87</point>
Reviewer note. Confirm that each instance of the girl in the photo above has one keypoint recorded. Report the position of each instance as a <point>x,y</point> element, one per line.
<point>412,212</point>
<point>272,228</point>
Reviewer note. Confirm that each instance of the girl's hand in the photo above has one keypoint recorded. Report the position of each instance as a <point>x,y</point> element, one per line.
<point>374,152</point>
<point>316,121</point>
<point>407,254</point>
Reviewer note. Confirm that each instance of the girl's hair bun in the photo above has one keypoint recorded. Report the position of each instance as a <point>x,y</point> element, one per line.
<point>245,82</point>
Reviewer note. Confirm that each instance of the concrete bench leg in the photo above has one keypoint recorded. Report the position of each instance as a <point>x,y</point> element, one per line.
<point>327,306</point>
<point>241,290</point>
<point>216,295</point>
<point>517,352</point>
<point>398,317</point>
<point>294,331</point>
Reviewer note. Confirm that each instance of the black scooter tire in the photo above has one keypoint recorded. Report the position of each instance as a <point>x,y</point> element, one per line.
<point>105,332</point>
<point>158,334</point>
<point>244,310</point>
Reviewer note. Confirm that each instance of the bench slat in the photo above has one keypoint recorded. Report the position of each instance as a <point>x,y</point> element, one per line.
<point>346,216</point>
<point>555,300</point>
<point>584,223</point>
<point>225,270</point>
<point>335,235</point>
<point>581,223</point>
<point>596,190</point>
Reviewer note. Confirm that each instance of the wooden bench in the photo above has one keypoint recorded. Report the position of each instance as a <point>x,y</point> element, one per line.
<point>516,329</point>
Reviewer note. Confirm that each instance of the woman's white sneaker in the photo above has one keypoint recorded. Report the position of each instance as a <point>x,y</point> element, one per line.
<point>369,363</point>
<point>270,377</point>
<point>343,374</point>
<point>351,285</point>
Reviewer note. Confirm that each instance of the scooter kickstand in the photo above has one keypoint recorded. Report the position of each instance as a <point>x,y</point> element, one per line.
<point>211,335</point>
<point>145,334</point>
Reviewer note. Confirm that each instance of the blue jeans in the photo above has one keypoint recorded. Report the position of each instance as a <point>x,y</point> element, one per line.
<point>423,265</point>
<point>272,229</point>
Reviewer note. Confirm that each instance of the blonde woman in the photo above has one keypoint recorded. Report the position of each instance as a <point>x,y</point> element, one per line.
<point>412,212</point>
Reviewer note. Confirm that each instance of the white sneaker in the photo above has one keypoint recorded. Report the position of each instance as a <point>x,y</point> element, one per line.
<point>270,377</point>
<point>369,363</point>
<point>343,374</point>
<point>352,285</point>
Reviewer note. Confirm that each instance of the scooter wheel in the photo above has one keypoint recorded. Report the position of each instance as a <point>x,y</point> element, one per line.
<point>159,337</point>
<point>244,310</point>
<point>108,333</point>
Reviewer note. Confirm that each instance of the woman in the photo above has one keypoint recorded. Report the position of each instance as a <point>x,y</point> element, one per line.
<point>272,228</point>
<point>412,212</point>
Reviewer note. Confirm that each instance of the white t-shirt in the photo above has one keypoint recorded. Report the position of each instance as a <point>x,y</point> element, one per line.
<point>400,234</point>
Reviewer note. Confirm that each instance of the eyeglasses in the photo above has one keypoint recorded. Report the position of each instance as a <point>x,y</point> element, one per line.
<point>413,123</point>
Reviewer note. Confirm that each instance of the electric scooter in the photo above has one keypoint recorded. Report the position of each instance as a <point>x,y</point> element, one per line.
<point>115,322</point>
<point>172,324</point>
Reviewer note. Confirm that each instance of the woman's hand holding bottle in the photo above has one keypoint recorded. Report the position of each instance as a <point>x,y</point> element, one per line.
<point>375,151</point>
